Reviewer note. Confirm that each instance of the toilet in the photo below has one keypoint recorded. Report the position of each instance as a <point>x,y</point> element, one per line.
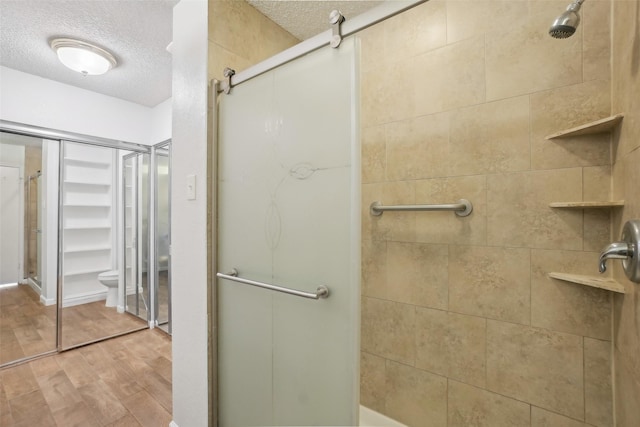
<point>110,280</point>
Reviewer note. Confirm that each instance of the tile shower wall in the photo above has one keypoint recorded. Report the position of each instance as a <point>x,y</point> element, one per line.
<point>626,145</point>
<point>240,36</point>
<point>460,323</point>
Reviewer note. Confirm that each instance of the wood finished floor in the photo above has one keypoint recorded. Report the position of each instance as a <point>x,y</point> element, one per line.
<point>28,328</point>
<point>121,382</point>
<point>88,322</point>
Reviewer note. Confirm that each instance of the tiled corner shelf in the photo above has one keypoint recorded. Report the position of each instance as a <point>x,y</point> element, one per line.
<point>597,126</point>
<point>593,281</point>
<point>594,127</point>
<point>587,205</point>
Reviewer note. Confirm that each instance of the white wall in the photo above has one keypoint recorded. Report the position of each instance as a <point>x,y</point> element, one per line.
<point>160,126</point>
<point>189,217</point>
<point>33,100</point>
<point>50,156</point>
<point>13,155</point>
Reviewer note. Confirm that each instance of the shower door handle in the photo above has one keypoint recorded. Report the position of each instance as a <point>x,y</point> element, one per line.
<point>321,291</point>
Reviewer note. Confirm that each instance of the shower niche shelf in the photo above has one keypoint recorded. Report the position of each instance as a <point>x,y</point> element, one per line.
<point>597,126</point>
<point>588,205</point>
<point>605,283</point>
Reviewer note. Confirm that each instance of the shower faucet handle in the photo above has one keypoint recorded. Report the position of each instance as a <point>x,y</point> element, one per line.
<point>626,250</point>
<point>617,250</point>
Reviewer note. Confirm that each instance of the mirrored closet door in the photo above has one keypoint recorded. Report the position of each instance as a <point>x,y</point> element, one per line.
<point>94,208</point>
<point>135,176</point>
<point>162,212</point>
<point>28,212</point>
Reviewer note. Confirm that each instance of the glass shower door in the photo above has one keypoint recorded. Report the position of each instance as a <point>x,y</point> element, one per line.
<point>33,207</point>
<point>136,213</point>
<point>162,213</point>
<point>288,215</point>
<point>38,231</point>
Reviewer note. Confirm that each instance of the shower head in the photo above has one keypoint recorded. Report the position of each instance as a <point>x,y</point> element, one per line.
<point>565,25</point>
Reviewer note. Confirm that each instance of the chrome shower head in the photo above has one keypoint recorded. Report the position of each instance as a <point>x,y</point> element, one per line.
<point>565,25</point>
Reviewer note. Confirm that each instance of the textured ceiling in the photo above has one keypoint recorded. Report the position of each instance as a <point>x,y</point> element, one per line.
<point>137,32</point>
<point>306,18</point>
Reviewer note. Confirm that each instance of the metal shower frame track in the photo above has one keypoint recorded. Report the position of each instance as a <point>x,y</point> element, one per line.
<point>365,20</point>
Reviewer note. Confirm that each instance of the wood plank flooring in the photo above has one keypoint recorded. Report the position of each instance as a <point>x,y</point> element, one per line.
<point>28,328</point>
<point>124,382</point>
<point>88,322</point>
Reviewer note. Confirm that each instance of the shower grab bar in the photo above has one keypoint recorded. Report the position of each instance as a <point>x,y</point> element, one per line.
<point>462,207</point>
<point>321,291</point>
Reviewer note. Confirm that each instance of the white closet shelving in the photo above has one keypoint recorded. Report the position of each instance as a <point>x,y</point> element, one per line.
<point>130,225</point>
<point>88,220</point>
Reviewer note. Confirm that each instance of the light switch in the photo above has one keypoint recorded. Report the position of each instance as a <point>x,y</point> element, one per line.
<point>191,187</point>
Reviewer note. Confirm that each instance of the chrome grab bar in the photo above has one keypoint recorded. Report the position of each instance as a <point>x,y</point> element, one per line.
<point>462,207</point>
<point>321,291</point>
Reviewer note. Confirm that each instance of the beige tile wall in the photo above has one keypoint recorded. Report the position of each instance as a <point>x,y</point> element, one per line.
<point>626,173</point>
<point>460,323</point>
<point>240,36</point>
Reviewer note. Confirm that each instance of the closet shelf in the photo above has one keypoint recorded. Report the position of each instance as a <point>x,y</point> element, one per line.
<point>96,184</point>
<point>587,205</point>
<point>93,163</point>
<point>88,249</point>
<point>87,227</point>
<point>89,271</point>
<point>85,205</point>
<point>593,281</point>
<point>597,126</point>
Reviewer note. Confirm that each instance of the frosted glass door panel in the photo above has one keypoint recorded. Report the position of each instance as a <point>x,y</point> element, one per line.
<point>288,209</point>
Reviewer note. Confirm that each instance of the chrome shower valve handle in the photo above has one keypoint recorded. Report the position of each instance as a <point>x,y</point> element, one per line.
<point>617,250</point>
<point>626,250</point>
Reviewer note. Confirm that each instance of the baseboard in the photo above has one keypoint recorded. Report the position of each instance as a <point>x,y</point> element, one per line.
<point>173,424</point>
<point>33,285</point>
<point>47,301</point>
<point>79,299</point>
<point>84,298</point>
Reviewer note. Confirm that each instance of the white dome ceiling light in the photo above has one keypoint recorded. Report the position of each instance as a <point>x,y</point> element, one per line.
<point>83,57</point>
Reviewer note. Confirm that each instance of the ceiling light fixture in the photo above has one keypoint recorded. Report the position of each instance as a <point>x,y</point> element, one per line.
<point>83,57</point>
